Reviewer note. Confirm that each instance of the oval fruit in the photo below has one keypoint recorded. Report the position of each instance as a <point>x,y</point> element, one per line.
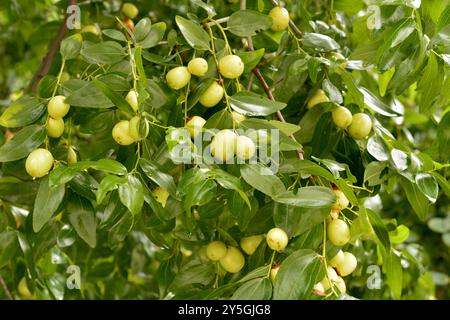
<point>138,128</point>
<point>341,200</point>
<point>55,128</point>
<point>329,279</point>
<point>195,125</point>
<point>233,261</point>
<point>277,239</point>
<point>342,117</point>
<point>237,117</point>
<point>216,250</point>
<point>130,10</point>
<point>340,284</point>
<point>231,66</point>
<point>360,127</point>
<point>347,265</point>
<point>338,232</point>
<point>337,259</point>
<point>90,29</point>
<point>212,95</point>
<point>132,99</point>
<point>178,78</point>
<point>57,108</point>
<point>39,163</point>
<point>280,18</point>
<point>250,244</point>
<point>319,97</point>
<point>223,145</point>
<point>245,148</point>
<point>198,67</point>
<point>121,133</point>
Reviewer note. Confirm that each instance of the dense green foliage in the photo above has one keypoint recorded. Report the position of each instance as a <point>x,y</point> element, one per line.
<point>136,223</point>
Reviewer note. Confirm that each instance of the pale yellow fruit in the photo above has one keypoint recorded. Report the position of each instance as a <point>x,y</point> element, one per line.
<point>360,127</point>
<point>277,239</point>
<point>338,232</point>
<point>237,117</point>
<point>121,133</point>
<point>39,163</point>
<point>132,99</point>
<point>212,95</point>
<point>340,284</point>
<point>231,66</point>
<point>342,117</point>
<point>138,129</point>
<point>55,128</point>
<point>319,289</point>
<point>347,265</point>
<point>319,97</point>
<point>178,77</point>
<point>337,259</point>
<point>71,156</point>
<point>233,261</point>
<point>331,277</point>
<point>223,145</point>
<point>198,67</point>
<point>161,195</point>
<point>23,290</point>
<point>280,18</point>
<point>245,148</point>
<point>216,250</point>
<point>130,10</point>
<point>195,125</point>
<point>341,200</point>
<point>57,108</point>
<point>90,29</point>
<point>65,77</point>
<point>250,244</point>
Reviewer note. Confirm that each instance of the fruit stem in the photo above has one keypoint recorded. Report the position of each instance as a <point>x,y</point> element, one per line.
<point>58,79</point>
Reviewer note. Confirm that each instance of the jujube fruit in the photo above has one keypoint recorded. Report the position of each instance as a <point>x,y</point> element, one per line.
<point>338,232</point>
<point>250,244</point>
<point>39,162</point>
<point>57,108</point>
<point>277,239</point>
<point>233,261</point>
<point>121,133</point>
<point>231,66</point>
<point>55,128</point>
<point>280,18</point>
<point>212,95</point>
<point>216,250</point>
<point>178,77</point>
<point>198,67</point>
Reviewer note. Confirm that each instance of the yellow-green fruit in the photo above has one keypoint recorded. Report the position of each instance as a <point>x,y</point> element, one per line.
<point>347,265</point>
<point>245,148</point>
<point>195,125</point>
<point>161,195</point>
<point>341,200</point>
<point>340,284</point>
<point>360,127</point>
<point>223,145</point>
<point>132,99</point>
<point>65,77</point>
<point>250,244</point>
<point>337,259</point>
<point>198,67</point>
<point>216,250</point>
<point>274,272</point>
<point>342,117</point>
<point>319,97</point>
<point>71,156</point>
<point>23,290</point>
<point>130,10</point>
<point>212,95</point>
<point>277,239</point>
<point>39,163</point>
<point>331,277</point>
<point>178,77</point>
<point>280,18</point>
<point>338,232</point>
<point>237,117</point>
<point>138,128</point>
<point>231,66</point>
<point>319,289</point>
<point>90,29</point>
<point>334,213</point>
<point>55,128</point>
<point>57,108</point>
<point>121,133</point>
<point>233,261</point>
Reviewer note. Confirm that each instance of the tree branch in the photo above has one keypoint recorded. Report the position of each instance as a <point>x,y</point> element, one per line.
<point>5,288</point>
<point>47,62</point>
<point>263,82</point>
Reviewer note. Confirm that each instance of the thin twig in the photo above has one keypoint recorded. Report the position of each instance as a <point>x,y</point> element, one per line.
<point>5,288</point>
<point>260,77</point>
<point>50,56</point>
<point>218,21</point>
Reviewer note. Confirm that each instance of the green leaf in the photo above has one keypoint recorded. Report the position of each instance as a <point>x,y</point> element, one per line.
<point>71,47</point>
<point>47,202</point>
<point>443,134</point>
<point>199,193</point>
<point>251,59</point>
<point>108,183</point>
<point>262,179</point>
<point>131,195</point>
<point>376,105</point>
<point>22,112</point>
<point>8,247</point>
<point>399,235</point>
<point>379,228</point>
<point>142,29</point>
<point>354,95</point>
<point>25,141</point>
<point>252,104</point>
<point>112,95</point>
<point>445,185</point>
<point>430,85</point>
<point>372,174</point>
<point>428,185</point>
<point>256,289</point>
<point>297,276</point>
<point>155,35</point>
<point>246,23</point>
<point>244,213</point>
<point>230,182</point>
<point>297,220</point>
<point>195,36</point>
<point>319,42</point>
<point>305,167</point>
<point>114,34</point>
<point>207,7</point>
<point>394,274</point>
<point>82,217</point>
<point>108,52</point>
<point>398,34</point>
<point>416,198</point>
<point>155,173</point>
<point>80,93</point>
<point>307,197</point>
